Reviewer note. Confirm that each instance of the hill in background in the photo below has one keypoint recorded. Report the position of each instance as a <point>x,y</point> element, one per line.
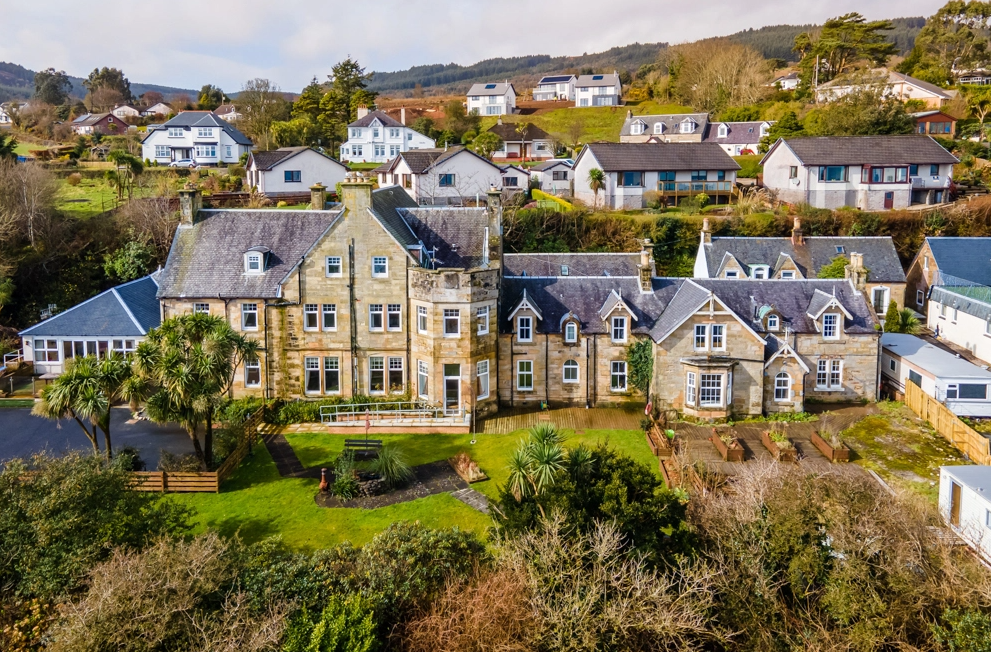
<point>17,83</point>
<point>776,41</point>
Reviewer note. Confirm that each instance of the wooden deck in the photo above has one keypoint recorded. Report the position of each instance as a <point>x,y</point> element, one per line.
<point>578,419</point>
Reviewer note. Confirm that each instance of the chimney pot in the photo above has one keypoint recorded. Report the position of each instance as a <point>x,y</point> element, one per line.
<point>362,111</point>
<point>706,231</point>
<point>190,203</point>
<point>797,236</point>
<point>402,115</point>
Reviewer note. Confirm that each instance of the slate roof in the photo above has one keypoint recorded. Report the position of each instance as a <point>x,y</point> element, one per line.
<point>421,160</point>
<point>386,203</point>
<point>686,300</point>
<point>909,149</point>
<point>499,88</point>
<point>610,79</point>
<point>880,256</point>
<point>192,119</point>
<point>554,162</point>
<point>89,119</point>
<point>965,304</point>
<point>738,133</point>
<point>207,258</point>
<point>371,116</point>
<point>267,160</point>
<point>890,77</point>
<point>128,310</point>
<point>672,123</point>
<point>555,79</point>
<point>966,258</point>
<point>455,236</point>
<point>581,265</point>
<point>637,157</point>
<point>507,132</point>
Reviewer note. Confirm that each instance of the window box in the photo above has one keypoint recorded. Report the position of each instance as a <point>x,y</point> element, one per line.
<point>781,451</point>
<point>732,451</point>
<point>839,454</point>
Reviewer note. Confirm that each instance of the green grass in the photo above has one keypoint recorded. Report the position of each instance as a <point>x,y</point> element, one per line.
<point>363,166</point>
<point>750,164</point>
<point>90,198</point>
<point>16,403</point>
<point>24,149</point>
<point>257,503</point>
<point>598,123</point>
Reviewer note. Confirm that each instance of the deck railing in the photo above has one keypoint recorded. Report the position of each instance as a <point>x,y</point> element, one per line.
<point>350,413</point>
<point>695,186</point>
<point>11,360</point>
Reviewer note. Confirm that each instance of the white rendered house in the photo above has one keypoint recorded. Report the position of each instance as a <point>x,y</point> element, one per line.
<point>157,109</point>
<point>197,135</point>
<point>598,90</point>
<point>555,87</point>
<point>492,99</point>
<point>965,504</point>
<point>292,170</point>
<point>375,137</point>
<point>554,176</point>
<point>451,176</point>
<point>962,315</point>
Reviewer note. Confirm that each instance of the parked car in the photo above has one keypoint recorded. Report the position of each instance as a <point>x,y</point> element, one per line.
<point>183,163</point>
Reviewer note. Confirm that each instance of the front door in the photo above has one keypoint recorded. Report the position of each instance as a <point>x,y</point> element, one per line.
<point>452,388</point>
<point>889,200</point>
<point>954,504</point>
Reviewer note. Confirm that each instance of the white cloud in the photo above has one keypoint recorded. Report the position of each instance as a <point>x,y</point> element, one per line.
<point>189,43</point>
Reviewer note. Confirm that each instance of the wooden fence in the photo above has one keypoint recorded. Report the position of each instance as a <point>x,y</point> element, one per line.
<point>962,436</point>
<point>197,481</point>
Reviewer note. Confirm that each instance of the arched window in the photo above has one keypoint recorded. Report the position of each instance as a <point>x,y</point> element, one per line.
<point>571,371</point>
<point>772,322</point>
<point>571,332</point>
<point>782,387</point>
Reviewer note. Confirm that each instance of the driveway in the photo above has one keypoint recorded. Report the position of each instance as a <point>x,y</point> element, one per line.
<point>22,434</point>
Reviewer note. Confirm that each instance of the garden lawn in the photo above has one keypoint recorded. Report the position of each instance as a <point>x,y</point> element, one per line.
<point>91,197</point>
<point>257,503</point>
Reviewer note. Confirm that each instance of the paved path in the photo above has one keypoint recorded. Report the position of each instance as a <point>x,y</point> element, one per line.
<point>578,419</point>
<point>474,499</point>
<point>285,457</point>
<point>22,434</point>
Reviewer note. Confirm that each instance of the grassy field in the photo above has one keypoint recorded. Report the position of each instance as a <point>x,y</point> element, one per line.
<point>91,197</point>
<point>24,149</point>
<point>257,503</point>
<point>597,123</point>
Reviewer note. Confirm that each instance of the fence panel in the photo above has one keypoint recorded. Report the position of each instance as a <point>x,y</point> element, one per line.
<point>969,441</point>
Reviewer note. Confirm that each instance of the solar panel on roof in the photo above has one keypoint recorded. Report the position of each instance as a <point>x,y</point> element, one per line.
<point>560,78</point>
<point>489,86</point>
<point>596,77</point>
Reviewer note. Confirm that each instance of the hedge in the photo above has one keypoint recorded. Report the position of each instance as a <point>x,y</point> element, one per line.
<point>540,195</point>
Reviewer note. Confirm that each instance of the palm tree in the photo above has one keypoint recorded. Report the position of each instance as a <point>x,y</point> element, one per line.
<point>597,183</point>
<point>535,463</point>
<point>126,168</point>
<point>186,366</point>
<point>908,322</point>
<point>86,392</point>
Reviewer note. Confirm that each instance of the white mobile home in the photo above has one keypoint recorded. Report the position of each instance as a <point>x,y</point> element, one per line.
<point>965,504</point>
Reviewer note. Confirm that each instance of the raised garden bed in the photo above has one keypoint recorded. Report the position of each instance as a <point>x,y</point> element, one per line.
<point>780,453</point>
<point>839,454</point>
<point>661,445</point>
<point>731,452</point>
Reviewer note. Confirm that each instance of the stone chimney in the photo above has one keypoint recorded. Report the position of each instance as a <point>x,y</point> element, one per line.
<point>499,120</point>
<point>856,272</point>
<point>357,193</point>
<point>190,203</point>
<point>646,267</point>
<point>706,231</point>
<point>797,237</point>
<point>494,210</point>
<point>629,114</point>
<point>362,111</point>
<point>318,197</point>
<point>402,115</point>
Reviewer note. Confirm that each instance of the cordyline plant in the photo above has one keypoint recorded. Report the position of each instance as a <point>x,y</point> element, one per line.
<point>187,365</point>
<point>535,463</point>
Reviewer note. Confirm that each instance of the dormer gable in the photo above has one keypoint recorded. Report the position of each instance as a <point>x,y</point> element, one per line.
<point>256,260</point>
<point>786,268</point>
<point>688,126</point>
<point>722,131</point>
<point>730,267</point>
<point>659,127</point>
<point>571,328</point>
<point>614,302</point>
<point>771,319</point>
<point>525,303</point>
<point>638,127</point>
<point>784,352</point>
<point>822,302</point>
<point>765,129</point>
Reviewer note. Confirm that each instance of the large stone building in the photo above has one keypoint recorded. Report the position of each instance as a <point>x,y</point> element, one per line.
<point>384,297</point>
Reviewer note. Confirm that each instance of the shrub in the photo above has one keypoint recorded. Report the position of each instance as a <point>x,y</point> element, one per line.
<point>74,179</point>
<point>347,624</point>
<point>345,484</point>
<point>172,463</point>
<point>281,204</point>
<point>391,465</point>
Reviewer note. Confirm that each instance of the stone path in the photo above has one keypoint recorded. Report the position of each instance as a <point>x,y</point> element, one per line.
<point>474,499</point>
<point>285,458</point>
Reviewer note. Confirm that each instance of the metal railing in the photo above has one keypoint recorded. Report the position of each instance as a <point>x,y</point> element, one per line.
<point>407,410</point>
<point>12,359</point>
<point>695,186</point>
<point>930,183</point>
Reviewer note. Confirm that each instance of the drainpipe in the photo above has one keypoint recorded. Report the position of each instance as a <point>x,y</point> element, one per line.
<point>588,371</point>
<point>512,366</point>
<point>354,320</point>
<point>547,388</point>
<point>595,360</point>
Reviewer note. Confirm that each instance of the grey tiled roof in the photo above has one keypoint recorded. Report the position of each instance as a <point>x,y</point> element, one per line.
<point>610,79</point>
<point>382,117</point>
<point>535,265</point>
<point>963,303</point>
<point>128,310</point>
<point>685,301</point>
<point>966,258</point>
<point>499,88</point>
<point>868,150</point>
<point>818,303</point>
<point>649,157</point>
<point>672,123</point>
<point>554,162</point>
<point>201,119</point>
<point>207,258</point>
<point>89,119</point>
<point>457,235</point>
<point>880,256</point>
<point>738,133</point>
<point>268,160</point>
<point>386,205</point>
<point>507,132</point>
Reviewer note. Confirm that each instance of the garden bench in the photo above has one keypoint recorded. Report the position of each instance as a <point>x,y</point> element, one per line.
<point>363,447</point>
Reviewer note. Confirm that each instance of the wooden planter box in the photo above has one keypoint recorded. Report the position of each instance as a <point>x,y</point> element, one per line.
<point>780,454</point>
<point>839,454</point>
<point>660,445</point>
<point>731,453</point>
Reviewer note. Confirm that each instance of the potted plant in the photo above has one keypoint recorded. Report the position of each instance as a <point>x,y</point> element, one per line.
<point>727,445</point>
<point>827,439</point>
<point>778,444</point>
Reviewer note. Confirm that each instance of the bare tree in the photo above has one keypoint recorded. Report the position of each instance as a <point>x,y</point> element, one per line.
<point>27,200</point>
<point>153,220</point>
<point>261,103</point>
<point>713,74</point>
<point>103,99</point>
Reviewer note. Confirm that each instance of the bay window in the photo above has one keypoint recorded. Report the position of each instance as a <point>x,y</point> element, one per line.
<point>710,390</point>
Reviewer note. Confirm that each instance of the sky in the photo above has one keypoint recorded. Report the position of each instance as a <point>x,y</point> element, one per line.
<point>188,43</point>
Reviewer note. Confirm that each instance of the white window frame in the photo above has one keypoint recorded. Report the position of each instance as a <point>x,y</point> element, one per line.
<point>331,363</point>
<point>311,364</point>
<point>721,337</point>
<point>700,334</point>
<point>328,310</point>
<point>254,263</point>
<point>732,273</point>
<point>788,275</point>
<point>452,316</point>
<point>570,332</point>
<point>421,319</point>
<point>773,322</point>
<point>524,324</point>
<point>831,331</point>
<point>253,365</point>
<point>422,379</point>
<point>785,386</point>
<point>395,363</point>
<point>201,308</point>
<point>482,380</point>
<point>176,132</point>
<point>311,311</point>
<point>47,347</point>
<point>249,309</point>
<point>161,151</point>
<point>376,309</point>
<point>521,372</point>
<point>706,388</point>
<point>826,371</point>
<point>618,370</point>
<point>920,297</point>
<point>204,132</point>
<point>380,262</point>
<point>376,363</point>
<point>690,388</point>
<point>394,309</point>
<point>482,319</point>
<point>572,366</point>
<point>333,261</point>
<point>618,328</point>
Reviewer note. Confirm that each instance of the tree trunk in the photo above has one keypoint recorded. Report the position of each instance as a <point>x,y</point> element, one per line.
<point>106,439</point>
<point>208,440</point>
<point>91,436</point>
<point>196,443</point>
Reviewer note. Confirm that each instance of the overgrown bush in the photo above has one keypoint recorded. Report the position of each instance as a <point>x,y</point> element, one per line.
<point>345,484</point>
<point>392,466</point>
<point>74,179</point>
<point>172,463</point>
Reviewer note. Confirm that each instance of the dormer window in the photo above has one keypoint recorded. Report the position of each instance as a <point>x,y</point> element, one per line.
<point>831,326</point>
<point>723,131</point>
<point>254,262</point>
<point>571,332</point>
<point>764,130</point>
<point>688,127</point>
<point>637,128</point>
<point>619,329</point>
<point>788,275</point>
<point>773,322</point>
<point>658,127</point>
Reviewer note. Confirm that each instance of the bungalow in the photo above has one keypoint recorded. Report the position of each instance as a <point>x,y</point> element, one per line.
<point>161,108</point>
<point>522,141</point>
<point>197,135</point>
<point>4,116</point>
<point>951,263</point>
<point>935,123</point>
<point>292,170</point>
<point>376,137</point>
<point>555,87</point>
<point>98,123</point>
<point>965,504</point>
<point>958,384</point>
<point>441,176</point>
<point>126,111</point>
<point>554,176</point>
<point>897,85</point>
<point>228,112</point>
<point>672,128</point>
<point>673,171</point>
<point>115,320</point>
<point>598,90</point>
<point>737,138</point>
<point>866,172</point>
<point>873,264</point>
<point>787,82</point>
<point>515,179</point>
<point>492,99</point>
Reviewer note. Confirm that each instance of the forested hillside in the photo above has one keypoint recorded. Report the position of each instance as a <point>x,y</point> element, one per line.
<point>17,83</point>
<point>776,41</point>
